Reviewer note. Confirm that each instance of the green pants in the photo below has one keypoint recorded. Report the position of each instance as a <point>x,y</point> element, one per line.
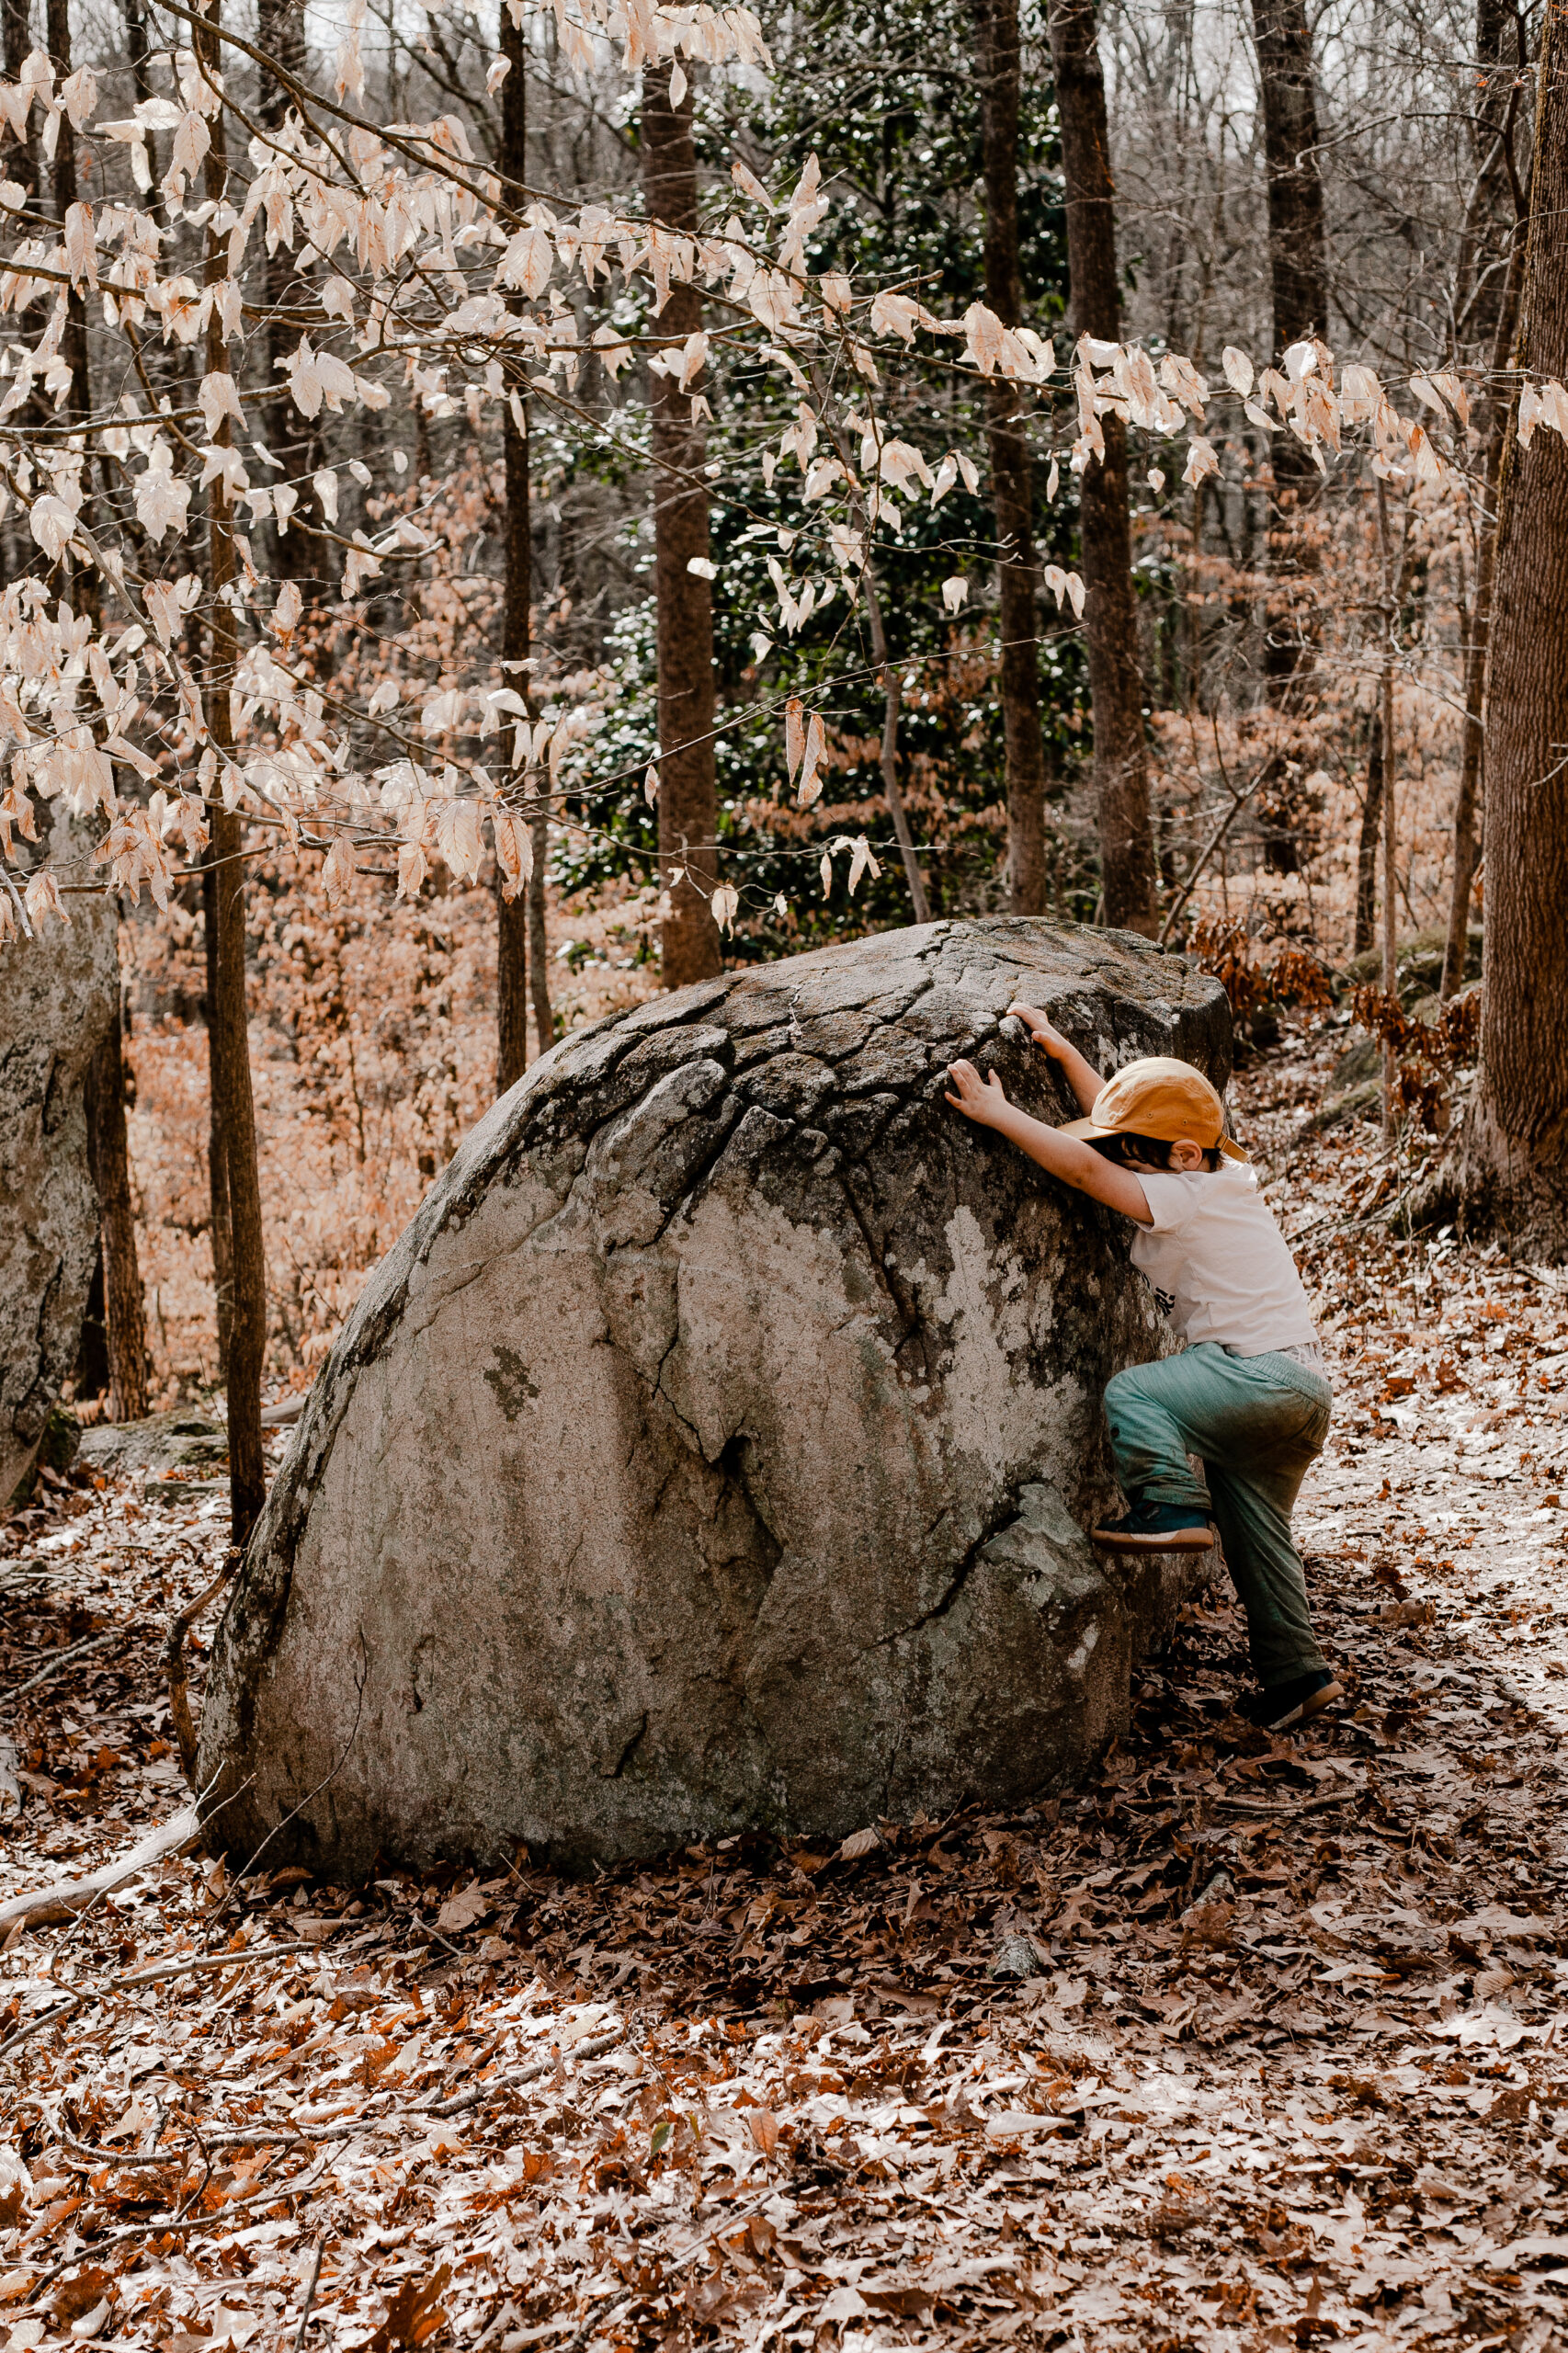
<point>1257,1422</point>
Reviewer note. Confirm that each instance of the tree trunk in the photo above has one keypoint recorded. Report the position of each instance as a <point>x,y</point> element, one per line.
<point>1500,310</point>
<point>1298,271</point>
<point>1110,619</point>
<point>109,1161</point>
<point>18,158</point>
<point>1515,1173</point>
<point>512,914</point>
<point>539,944</point>
<point>1297,253</point>
<point>1011,474</point>
<point>1367,847</point>
<point>229,1033</point>
<point>294,439</point>
<point>73,342</point>
<point>217,1159</point>
<point>688,797</point>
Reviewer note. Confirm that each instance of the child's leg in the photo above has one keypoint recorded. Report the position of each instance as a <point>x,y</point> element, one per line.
<point>1257,1422</point>
<point>1146,1407</point>
<point>1266,1569</point>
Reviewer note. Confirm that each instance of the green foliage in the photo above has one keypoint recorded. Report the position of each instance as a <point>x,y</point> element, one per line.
<point>890,107</point>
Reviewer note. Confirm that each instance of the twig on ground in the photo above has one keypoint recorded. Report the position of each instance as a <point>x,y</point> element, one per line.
<point>174,1664</point>
<point>166,2227</point>
<point>63,1658</point>
<point>310,2294</point>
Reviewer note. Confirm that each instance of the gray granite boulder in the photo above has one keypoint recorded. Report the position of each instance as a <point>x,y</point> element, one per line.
<point>715,1448</point>
<point>57,999</point>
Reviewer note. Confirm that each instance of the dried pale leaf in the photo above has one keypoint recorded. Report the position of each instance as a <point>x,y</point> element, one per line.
<point>462,1910</point>
<point>1238,371</point>
<point>794,734</point>
<point>859,1842</point>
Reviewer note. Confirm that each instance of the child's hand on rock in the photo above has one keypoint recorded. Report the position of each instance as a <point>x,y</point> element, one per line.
<point>983,1100</point>
<point>1049,1038</point>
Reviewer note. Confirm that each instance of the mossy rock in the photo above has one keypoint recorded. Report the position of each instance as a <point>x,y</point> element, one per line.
<point>57,1446</point>
<point>1419,962</point>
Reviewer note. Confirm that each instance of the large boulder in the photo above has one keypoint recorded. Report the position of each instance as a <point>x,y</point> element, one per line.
<point>715,1448</point>
<point>57,999</point>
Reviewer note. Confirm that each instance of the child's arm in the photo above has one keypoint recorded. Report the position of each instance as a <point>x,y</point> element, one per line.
<point>1081,1077</point>
<point>1076,1163</point>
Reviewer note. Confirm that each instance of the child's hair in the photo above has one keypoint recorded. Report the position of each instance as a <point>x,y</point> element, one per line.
<point>1154,1150</point>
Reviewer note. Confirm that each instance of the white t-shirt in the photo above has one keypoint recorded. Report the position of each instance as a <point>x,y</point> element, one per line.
<point>1218,1264</point>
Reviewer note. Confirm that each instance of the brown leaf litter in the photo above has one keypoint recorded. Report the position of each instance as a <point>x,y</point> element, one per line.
<point>1251,2042</point>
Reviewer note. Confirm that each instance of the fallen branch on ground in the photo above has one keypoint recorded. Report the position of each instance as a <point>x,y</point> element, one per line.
<point>47,1906</point>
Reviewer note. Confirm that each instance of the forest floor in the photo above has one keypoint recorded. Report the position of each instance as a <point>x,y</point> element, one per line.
<point>1249,2042</point>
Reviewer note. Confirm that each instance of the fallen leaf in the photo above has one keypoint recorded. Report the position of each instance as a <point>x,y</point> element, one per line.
<point>414,2315</point>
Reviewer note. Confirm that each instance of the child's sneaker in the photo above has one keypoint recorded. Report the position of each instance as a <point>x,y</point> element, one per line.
<point>1285,1704</point>
<point>1155,1527</point>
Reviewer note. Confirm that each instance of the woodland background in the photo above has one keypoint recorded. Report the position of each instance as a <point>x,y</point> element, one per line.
<point>374,1027</point>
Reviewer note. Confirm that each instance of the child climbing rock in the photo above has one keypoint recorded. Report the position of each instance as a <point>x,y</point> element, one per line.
<point>1249,1394</point>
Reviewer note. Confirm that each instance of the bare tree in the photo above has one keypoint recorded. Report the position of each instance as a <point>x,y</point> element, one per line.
<point>109,1161</point>
<point>512,914</point>
<point>229,1032</point>
<point>688,796</point>
<point>1514,1142</point>
<point>1011,473</point>
<point>1110,620</point>
<point>1492,270</point>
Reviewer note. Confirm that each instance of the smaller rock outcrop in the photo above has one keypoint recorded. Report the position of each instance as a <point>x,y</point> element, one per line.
<point>57,999</point>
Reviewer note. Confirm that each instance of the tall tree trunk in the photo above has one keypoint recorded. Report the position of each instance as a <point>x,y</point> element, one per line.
<point>688,795</point>
<point>1110,617</point>
<point>512,914</point>
<point>1297,271</point>
<point>1495,305</point>
<point>17,157</point>
<point>217,1156</point>
<point>229,1036</point>
<point>73,342</point>
<point>109,1160</point>
<point>1011,474</point>
<point>1516,1140</point>
<point>1298,252</point>
<point>1367,847</point>
<point>294,438</point>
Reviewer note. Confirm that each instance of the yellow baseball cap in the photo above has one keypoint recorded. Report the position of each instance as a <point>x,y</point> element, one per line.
<point>1158,1097</point>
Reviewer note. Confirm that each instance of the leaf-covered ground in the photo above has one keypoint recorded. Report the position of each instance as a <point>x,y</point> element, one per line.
<point>1252,2042</point>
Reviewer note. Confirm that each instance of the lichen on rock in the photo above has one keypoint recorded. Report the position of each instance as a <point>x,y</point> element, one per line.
<point>716,1447</point>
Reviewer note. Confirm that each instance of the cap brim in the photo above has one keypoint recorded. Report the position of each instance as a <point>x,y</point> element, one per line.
<point>1090,1131</point>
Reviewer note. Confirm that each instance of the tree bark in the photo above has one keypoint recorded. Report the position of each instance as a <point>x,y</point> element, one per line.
<point>512,915</point>
<point>20,161</point>
<point>73,342</point>
<point>1298,252</point>
<point>1110,617</point>
<point>109,1160</point>
<point>1516,1140</point>
<point>217,1158</point>
<point>1011,473</point>
<point>1297,272</point>
<point>1497,307</point>
<point>1367,847</point>
<point>688,796</point>
<point>229,1032</point>
<point>294,439</point>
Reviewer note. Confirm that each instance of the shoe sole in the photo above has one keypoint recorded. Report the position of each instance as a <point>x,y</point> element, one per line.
<point>1181,1540</point>
<point>1326,1698</point>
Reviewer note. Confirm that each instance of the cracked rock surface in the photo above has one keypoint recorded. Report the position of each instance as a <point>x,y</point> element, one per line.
<point>57,997</point>
<point>714,1450</point>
